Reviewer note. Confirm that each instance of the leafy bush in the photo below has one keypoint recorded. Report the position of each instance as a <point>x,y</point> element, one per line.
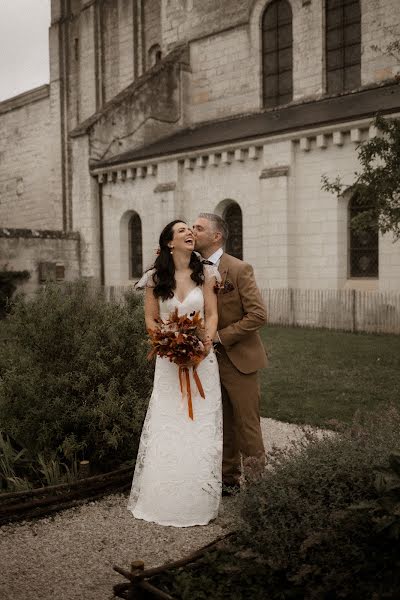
<point>8,284</point>
<point>75,378</point>
<point>323,523</point>
<point>321,515</point>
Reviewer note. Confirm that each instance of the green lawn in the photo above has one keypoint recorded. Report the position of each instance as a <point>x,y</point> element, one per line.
<point>317,375</point>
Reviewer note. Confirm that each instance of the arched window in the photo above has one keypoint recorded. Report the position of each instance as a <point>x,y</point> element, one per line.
<point>277,53</point>
<point>233,217</point>
<point>135,247</point>
<point>343,45</point>
<point>363,245</point>
<point>155,55</point>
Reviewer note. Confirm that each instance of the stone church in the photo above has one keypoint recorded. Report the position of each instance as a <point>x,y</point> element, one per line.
<point>158,109</point>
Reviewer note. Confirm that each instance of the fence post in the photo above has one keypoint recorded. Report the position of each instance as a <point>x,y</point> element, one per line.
<point>291,306</point>
<point>354,311</point>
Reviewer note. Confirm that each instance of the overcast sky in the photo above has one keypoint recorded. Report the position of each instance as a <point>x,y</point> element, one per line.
<point>24,45</point>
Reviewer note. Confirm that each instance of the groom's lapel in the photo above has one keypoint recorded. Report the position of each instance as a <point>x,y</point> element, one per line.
<point>223,271</point>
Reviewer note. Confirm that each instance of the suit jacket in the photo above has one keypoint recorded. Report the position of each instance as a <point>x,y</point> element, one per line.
<point>241,312</point>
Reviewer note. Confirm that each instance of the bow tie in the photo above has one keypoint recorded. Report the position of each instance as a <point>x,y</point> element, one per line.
<point>207,262</point>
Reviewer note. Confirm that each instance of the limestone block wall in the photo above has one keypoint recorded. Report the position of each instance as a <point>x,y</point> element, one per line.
<point>224,178</point>
<point>224,79</point>
<point>146,111</point>
<point>227,65</point>
<point>153,193</point>
<point>119,201</point>
<point>127,43</point>
<point>85,58</point>
<point>25,249</point>
<point>86,210</point>
<point>110,48</point>
<point>294,234</point>
<point>30,182</point>
<point>152,27</point>
<point>184,20</point>
<point>380,25</point>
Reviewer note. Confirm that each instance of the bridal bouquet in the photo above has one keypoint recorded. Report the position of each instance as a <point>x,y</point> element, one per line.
<point>181,340</point>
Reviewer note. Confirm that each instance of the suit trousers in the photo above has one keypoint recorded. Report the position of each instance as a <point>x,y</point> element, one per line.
<point>241,414</point>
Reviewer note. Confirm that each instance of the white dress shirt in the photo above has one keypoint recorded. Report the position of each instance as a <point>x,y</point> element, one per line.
<point>216,257</point>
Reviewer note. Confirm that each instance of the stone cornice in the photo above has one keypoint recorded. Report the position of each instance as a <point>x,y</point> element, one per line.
<point>25,98</point>
<point>315,139</point>
<point>10,232</point>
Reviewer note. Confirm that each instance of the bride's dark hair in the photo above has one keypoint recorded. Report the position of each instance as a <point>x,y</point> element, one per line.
<point>164,276</point>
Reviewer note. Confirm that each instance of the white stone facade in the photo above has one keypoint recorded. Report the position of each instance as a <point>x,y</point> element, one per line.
<point>109,97</point>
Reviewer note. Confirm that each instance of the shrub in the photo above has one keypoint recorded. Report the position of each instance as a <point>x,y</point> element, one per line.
<point>318,515</point>
<point>8,284</point>
<point>75,378</point>
<point>323,523</point>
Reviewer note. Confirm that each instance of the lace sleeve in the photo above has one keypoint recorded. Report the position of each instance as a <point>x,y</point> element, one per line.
<point>146,280</point>
<point>211,271</point>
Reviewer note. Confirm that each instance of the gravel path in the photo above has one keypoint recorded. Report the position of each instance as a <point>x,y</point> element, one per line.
<point>70,556</point>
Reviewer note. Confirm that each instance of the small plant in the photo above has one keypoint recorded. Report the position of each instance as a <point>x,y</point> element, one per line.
<point>55,472</point>
<point>383,512</point>
<point>10,460</point>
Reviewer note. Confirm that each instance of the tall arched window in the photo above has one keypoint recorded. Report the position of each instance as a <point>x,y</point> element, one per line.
<point>343,45</point>
<point>277,53</point>
<point>233,217</point>
<point>363,245</point>
<point>135,247</point>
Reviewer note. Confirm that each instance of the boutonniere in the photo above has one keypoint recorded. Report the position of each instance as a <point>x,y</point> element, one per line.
<point>223,287</point>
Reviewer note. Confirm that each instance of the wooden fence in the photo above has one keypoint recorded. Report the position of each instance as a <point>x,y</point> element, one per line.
<point>342,310</point>
<point>346,310</point>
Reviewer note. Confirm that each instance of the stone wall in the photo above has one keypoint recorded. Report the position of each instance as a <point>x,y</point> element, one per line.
<point>30,186</point>
<point>152,27</point>
<point>26,249</point>
<point>295,234</point>
<point>110,47</point>
<point>184,20</point>
<point>227,65</point>
<point>144,112</point>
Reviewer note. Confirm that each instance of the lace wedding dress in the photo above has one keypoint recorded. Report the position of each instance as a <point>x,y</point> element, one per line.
<point>178,476</point>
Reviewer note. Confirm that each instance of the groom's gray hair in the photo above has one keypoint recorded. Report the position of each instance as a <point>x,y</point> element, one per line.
<point>218,222</point>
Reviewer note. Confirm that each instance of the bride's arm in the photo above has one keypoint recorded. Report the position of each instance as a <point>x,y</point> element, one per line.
<point>210,309</point>
<point>151,309</point>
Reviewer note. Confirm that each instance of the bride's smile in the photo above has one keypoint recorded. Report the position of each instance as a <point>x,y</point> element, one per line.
<point>183,238</point>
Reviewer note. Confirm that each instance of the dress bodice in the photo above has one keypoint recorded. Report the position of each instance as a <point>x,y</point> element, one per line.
<point>193,302</point>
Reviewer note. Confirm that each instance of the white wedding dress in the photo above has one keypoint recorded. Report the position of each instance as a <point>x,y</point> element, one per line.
<point>178,473</point>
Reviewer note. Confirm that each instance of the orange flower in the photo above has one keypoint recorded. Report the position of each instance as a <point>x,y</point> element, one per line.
<point>180,339</point>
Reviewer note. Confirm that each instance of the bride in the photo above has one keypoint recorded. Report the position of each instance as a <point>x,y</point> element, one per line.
<point>177,478</point>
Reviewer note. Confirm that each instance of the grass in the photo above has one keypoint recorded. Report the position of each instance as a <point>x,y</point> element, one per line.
<point>318,376</point>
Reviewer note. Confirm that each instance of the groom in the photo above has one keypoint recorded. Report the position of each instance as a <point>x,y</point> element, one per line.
<point>240,352</point>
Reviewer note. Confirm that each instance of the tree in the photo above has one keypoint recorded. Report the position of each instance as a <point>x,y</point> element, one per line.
<point>377,185</point>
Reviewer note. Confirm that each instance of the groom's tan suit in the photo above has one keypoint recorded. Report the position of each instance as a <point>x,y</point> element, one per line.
<point>241,312</point>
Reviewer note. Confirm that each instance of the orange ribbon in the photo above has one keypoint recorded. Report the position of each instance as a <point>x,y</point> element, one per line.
<point>184,372</point>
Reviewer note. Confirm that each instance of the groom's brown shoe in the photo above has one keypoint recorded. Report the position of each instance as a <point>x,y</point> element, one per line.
<point>230,489</point>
